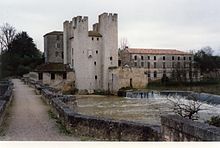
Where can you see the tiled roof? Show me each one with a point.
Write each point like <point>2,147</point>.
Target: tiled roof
<point>52,67</point>
<point>95,34</point>
<point>157,51</point>
<point>54,33</point>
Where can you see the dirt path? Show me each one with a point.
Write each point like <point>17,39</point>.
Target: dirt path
<point>28,118</point>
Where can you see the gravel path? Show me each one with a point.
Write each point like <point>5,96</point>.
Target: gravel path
<point>28,118</point>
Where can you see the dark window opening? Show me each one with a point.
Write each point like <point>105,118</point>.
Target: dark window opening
<point>148,65</point>
<point>64,75</point>
<point>131,86</point>
<point>95,63</point>
<point>164,58</point>
<point>119,62</point>
<point>184,58</point>
<point>40,76</point>
<point>96,51</point>
<point>92,38</point>
<point>155,65</point>
<point>155,58</point>
<point>148,57</point>
<point>58,37</point>
<point>142,57</point>
<point>190,58</point>
<point>178,58</point>
<point>135,57</point>
<point>110,58</point>
<point>135,64</point>
<point>97,39</point>
<point>172,57</point>
<point>52,76</point>
<point>96,77</point>
<point>155,74</point>
<point>142,64</point>
<point>148,74</point>
<point>164,65</point>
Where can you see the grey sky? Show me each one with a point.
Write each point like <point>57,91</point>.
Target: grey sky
<point>180,24</point>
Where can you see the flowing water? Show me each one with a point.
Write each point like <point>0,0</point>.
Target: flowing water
<point>141,109</point>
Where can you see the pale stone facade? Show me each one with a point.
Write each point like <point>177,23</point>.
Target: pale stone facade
<point>159,62</point>
<point>53,47</point>
<point>91,53</point>
<point>127,77</point>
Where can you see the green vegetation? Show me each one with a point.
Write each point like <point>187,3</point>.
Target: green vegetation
<point>215,121</point>
<point>19,55</point>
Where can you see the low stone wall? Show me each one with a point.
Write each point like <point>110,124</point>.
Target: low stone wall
<point>100,128</point>
<point>6,94</point>
<point>176,128</point>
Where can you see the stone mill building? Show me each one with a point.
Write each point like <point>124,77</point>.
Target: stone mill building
<point>91,52</point>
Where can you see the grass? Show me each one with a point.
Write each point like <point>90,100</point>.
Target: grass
<point>59,124</point>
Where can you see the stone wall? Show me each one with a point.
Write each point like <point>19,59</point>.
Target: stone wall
<point>99,128</point>
<point>6,94</point>
<point>176,128</point>
<point>127,77</point>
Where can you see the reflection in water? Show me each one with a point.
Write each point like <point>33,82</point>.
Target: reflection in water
<point>145,110</point>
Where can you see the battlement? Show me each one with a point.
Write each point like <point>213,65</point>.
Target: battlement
<point>79,20</point>
<point>109,16</point>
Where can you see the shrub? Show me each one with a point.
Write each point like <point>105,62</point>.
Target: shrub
<point>215,121</point>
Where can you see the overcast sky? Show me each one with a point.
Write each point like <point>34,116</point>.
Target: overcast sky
<point>179,24</point>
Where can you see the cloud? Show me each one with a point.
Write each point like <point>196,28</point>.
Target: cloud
<point>182,24</point>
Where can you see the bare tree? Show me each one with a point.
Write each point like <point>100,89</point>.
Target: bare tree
<point>187,109</point>
<point>7,34</point>
<point>123,43</point>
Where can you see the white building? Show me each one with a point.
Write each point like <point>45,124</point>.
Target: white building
<point>91,53</point>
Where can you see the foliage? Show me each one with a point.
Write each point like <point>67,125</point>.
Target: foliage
<point>215,121</point>
<point>206,61</point>
<point>21,57</point>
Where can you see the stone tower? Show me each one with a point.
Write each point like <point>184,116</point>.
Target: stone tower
<point>91,53</point>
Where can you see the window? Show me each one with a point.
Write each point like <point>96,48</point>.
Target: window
<point>64,75</point>
<point>184,58</point>
<point>155,58</point>
<point>96,52</point>
<point>190,58</point>
<point>97,39</point>
<point>148,57</point>
<point>119,62</point>
<point>164,65</point>
<point>135,57</point>
<point>62,55</point>
<point>95,63</point>
<point>164,58</point>
<point>135,64</point>
<point>148,64</point>
<point>110,58</point>
<point>142,64</point>
<point>142,57</point>
<point>178,58</point>
<point>58,37</point>
<point>155,65</point>
<point>58,45</point>
<point>155,74</point>
<point>148,74</point>
<point>173,65</point>
<point>40,76</point>
<point>52,76</point>
<point>96,77</point>
<point>92,38</point>
<point>172,57</point>
<point>56,53</point>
